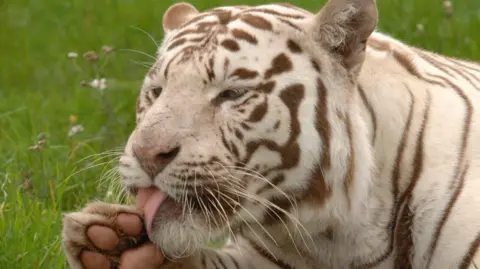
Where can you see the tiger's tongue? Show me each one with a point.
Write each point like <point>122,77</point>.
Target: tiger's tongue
<point>149,200</point>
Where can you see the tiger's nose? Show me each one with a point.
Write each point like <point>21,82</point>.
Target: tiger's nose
<point>154,160</point>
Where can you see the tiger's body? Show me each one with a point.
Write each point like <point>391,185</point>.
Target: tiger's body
<point>344,156</point>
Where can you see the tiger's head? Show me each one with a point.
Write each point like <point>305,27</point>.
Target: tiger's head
<point>245,110</point>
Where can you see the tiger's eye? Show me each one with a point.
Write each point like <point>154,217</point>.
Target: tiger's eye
<point>157,91</point>
<point>231,94</point>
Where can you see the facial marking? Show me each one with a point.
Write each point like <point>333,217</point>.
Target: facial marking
<point>280,64</point>
<point>229,49</point>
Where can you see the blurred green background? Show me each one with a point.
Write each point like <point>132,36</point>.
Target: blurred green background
<point>57,137</point>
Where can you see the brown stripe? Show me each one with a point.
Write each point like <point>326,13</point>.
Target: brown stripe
<point>197,18</point>
<point>211,69</point>
<point>243,73</point>
<point>467,122</point>
<point>395,181</point>
<point>177,43</point>
<point>322,124</point>
<point>256,22</point>
<point>165,72</point>
<point>267,255</point>
<point>293,46</point>
<point>238,134</point>
<point>280,64</point>
<point>266,87</point>
<point>370,111</point>
<point>221,262</point>
<point>291,24</point>
<point>463,63</point>
<point>246,101</point>
<point>204,261</point>
<point>275,182</point>
<point>401,147</point>
<point>403,235</point>
<point>259,112</point>
<point>184,32</point>
<point>276,13</point>
<point>446,214</point>
<point>235,263</point>
<point>242,35</point>
<point>349,177</point>
<point>315,65</point>
<point>224,140</point>
<point>472,251</point>
<point>442,81</point>
<point>230,45</point>
<point>446,68</point>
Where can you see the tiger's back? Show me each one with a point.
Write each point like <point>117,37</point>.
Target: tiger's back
<point>433,171</point>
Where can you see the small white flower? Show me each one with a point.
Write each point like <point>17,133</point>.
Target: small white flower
<point>75,130</point>
<point>72,55</point>
<point>447,4</point>
<point>420,27</point>
<point>100,84</point>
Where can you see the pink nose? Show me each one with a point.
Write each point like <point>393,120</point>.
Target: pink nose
<point>153,160</point>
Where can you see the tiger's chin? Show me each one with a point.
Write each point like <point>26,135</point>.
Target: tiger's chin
<point>180,233</point>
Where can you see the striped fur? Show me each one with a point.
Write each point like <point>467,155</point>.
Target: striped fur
<point>314,158</point>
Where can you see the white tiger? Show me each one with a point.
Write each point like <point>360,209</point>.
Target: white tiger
<point>311,140</point>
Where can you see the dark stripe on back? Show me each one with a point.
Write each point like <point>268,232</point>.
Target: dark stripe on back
<point>471,65</point>
<point>446,68</point>
<point>446,214</point>
<point>370,111</point>
<point>401,147</point>
<point>395,181</point>
<point>467,123</point>
<point>349,176</point>
<point>443,82</point>
<point>403,235</point>
<point>472,251</point>
<point>277,14</point>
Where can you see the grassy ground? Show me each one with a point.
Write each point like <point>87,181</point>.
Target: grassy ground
<point>43,170</point>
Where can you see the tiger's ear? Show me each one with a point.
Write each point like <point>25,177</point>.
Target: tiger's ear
<point>343,26</point>
<point>177,15</point>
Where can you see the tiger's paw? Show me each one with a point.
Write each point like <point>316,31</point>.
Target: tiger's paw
<point>105,236</point>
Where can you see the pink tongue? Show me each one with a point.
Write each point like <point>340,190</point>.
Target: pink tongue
<point>150,200</point>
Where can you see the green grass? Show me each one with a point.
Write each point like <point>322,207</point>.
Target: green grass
<point>40,88</point>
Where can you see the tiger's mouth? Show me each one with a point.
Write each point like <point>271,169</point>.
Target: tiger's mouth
<point>156,203</point>
<point>160,207</point>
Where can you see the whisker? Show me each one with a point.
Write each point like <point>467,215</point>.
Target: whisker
<point>142,64</point>
<point>253,230</point>
<point>292,202</point>
<point>140,52</point>
<point>146,33</point>
<point>270,205</point>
